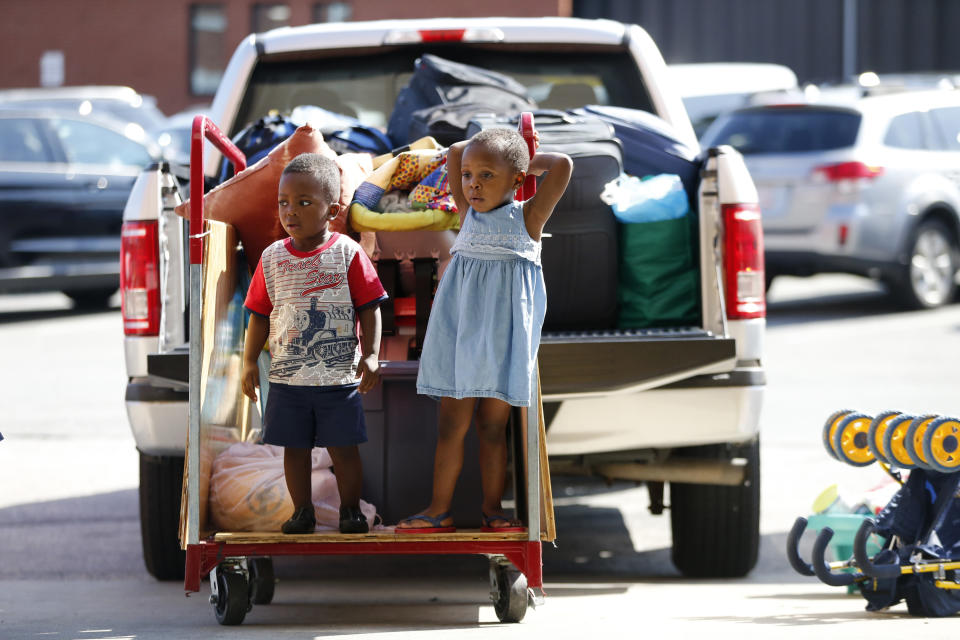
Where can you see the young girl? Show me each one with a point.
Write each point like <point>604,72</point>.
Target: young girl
<point>480,350</point>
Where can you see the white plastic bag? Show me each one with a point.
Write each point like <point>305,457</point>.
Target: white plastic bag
<point>248,491</point>
<point>651,199</point>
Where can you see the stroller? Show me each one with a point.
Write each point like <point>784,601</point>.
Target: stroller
<point>919,561</point>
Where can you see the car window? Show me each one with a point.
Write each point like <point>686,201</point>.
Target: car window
<point>905,132</point>
<point>946,122</point>
<point>20,141</point>
<point>88,143</point>
<point>366,87</point>
<point>785,130</point>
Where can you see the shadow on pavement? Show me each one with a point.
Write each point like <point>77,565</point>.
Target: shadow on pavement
<point>98,536</point>
<point>830,307</point>
<point>30,315</point>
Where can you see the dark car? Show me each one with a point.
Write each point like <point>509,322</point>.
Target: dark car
<point>64,181</point>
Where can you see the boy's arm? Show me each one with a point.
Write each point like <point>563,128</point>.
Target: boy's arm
<point>537,210</point>
<point>257,332</point>
<point>454,179</point>
<point>369,368</point>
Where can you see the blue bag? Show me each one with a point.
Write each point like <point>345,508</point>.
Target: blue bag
<point>650,146</point>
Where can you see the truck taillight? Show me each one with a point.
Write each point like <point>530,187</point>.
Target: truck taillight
<point>140,278</point>
<point>847,171</point>
<point>743,262</point>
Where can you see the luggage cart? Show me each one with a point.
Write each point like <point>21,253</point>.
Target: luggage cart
<point>239,563</point>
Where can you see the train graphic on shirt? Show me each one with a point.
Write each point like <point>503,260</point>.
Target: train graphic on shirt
<point>314,344</point>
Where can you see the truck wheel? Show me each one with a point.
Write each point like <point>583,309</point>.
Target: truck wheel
<point>927,280</point>
<point>716,529</point>
<point>161,479</point>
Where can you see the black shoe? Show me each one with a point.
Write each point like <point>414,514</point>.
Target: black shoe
<point>352,520</point>
<point>302,521</point>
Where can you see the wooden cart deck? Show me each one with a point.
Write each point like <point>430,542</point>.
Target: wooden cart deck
<point>462,535</point>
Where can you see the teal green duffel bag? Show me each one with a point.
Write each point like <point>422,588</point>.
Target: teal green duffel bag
<point>659,275</point>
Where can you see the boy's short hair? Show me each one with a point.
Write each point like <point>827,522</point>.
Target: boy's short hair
<point>506,143</point>
<point>323,169</point>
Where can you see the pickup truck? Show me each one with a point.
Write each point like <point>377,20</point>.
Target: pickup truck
<point>677,405</point>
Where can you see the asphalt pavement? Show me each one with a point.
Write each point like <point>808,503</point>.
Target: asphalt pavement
<point>70,564</point>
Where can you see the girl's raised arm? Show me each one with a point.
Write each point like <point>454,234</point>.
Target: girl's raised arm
<point>538,209</point>
<point>454,179</point>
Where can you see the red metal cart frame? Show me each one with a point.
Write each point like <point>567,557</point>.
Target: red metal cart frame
<point>231,551</point>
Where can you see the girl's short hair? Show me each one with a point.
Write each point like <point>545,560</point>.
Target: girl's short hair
<point>506,143</point>
<point>323,169</point>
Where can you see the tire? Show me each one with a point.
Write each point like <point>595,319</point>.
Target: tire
<point>508,590</point>
<point>232,601</point>
<point>262,580</point>
<point>914,440</point>
<point>91,298</point>
<point>850,440</point>
<point>161,479</point>
<point>716,529</point>
<point>941,444</point>
<point>927,280</point>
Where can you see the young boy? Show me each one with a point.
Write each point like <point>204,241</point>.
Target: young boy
<point>306,295</point>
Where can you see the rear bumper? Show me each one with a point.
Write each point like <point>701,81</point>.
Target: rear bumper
<point>722,408</point>
<point>158,418</point>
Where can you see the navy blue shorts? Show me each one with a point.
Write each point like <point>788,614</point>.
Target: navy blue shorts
<point>305,417</point>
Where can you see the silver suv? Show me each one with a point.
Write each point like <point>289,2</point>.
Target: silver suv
<point>869,186</point>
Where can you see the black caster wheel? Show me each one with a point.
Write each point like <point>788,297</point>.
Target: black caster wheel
<point>508,590</point>
<point>232,599</point>
<point>262,580</point>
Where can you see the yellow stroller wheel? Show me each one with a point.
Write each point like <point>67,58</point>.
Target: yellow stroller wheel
<point>850,440</point>
<point>878,428</point>
<point>941,444</point>
<point>893,441</point>
<point>913,441</point>
<point>830,428</point>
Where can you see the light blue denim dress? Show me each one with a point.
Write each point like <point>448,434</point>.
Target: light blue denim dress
<point>484,328</point>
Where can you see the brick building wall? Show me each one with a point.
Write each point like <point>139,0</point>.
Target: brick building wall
<point>147,45</point>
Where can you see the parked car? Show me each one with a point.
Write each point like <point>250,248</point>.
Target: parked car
<point>869,187</point>
<point>173,135</point>
<point>711,88</point>
<point>64,180</point>
<point>139,112</point>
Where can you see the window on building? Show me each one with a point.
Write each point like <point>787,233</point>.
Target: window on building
<point>332,12</point>
<point>269,16</point>
<point>208,39</point>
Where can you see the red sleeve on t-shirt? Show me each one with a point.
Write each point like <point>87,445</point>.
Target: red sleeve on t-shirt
<point>365,287</point>
<point>258,301</point>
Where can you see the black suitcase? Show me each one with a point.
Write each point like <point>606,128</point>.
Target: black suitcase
<point>436,81</point>
<point>447,123</point>
<point>581,243</point>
